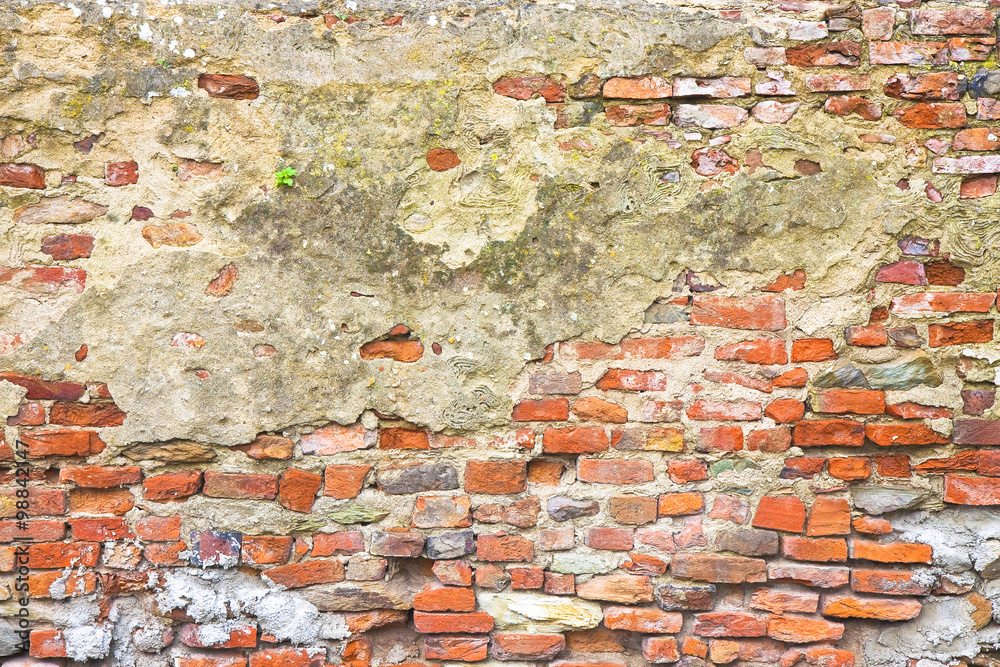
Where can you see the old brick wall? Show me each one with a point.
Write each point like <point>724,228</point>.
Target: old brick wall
<point>590,334</point>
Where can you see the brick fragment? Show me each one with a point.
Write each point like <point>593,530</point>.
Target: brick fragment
<point>960,333</point>
<point>229,86</point>
<point>891,552</point>
<point>496,477</point>
<point>637,88</point>
<point>828,54</point>
<point>345,481</point>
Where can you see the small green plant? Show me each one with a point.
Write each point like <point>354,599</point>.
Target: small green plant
<point>285,177</point>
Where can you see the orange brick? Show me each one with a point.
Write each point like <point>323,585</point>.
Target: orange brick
<point>786,513</point>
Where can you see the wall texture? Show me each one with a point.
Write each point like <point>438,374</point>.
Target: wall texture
<point>594,333</point>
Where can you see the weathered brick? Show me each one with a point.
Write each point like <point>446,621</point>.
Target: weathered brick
<point>963,21</point>
<point>335,438</point>
<point>575,440</point>
<point>171,486</point>
<point>932,115</point>
<point>620,588</point>
<point>502,547</point>
<point>729,624</point>
<point>633,115</point>
<point>766,313</point>
<point>961,333</point>
<point>229,86</point>
<point>828,54</point>
<point>614,471</point>
<point>345,481</point>
<point>963,490</point>
<point>722,87</point>
<point>808,575</point>
<point>637,88</point>
<point>888,582</point>
<point>40,444</point>
<point>828,432</point>
<point>849,606</point>
<point>496,477</point>
<point>822,550</point>
<point>659,649</point>
<point>812,349</point>
<point>845,105</point>
<point>849,468</point>
<point>598,409</point>
<point>803,630</point>
<point>849,401</point>
<point>241,486</point>
<point>907,53</point>
<point>891,552</point>
<point>629,380</point>
<point>887,435</point>
<point>780,601</point>
<point>720,439</point>
<point>928,86</point>
<point>544,409</point>
<point>829,516</point>
<point>787,513</point>
<point>718,569</point>
<point>760,351</point>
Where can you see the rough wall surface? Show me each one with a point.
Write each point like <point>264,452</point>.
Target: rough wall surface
<point>591,333</point>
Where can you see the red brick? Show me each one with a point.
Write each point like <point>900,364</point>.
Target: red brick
<point>230,87</point>
<point>927,86</point>
<point>72,585</point>
<point>947,302</point>
<point>812,349</point>
<point>614,471</point>
<point>117,174</point>
<point>785,410</point>
<point>960,21</point>
<point>723,410</point>
<point>850,468</point>
<point>32,531</point>
<point>714,161</point>
<point>165,554</point>
<point>159,528</point>
<point>891,552</point>
<point>47,280</point>
<point>893,465</point>
<point>100,530</point>
<point>575,440</point>
<point>268,447</point>
<point>786,513</point>
<point>728,377</point>
<point>871,336</point>
<point>802,467</point>
<point>240,637</point>
<point>403,438</point>
<point>845,105</point>
<point>620,588</point>
<point>496,477</point>
<point>917,411</point>
<point>637,88</point>
<point>91,414</point>
<point>729,624</point>
<point>809,575</point>
<point>528,647</point>
<point>526,87</point>
<point>171,486</point>
<point>961,333</point>
<point>630,380</point>
<point>720,439</point>
<point>597,409</point>
<point>642,619</point>
<point>797,377</point>
<point>297,575</point>
<point>442,512</point>
<point>335,438</point>
<point>932,115</point>
<point>64,247</point>
<point>718,569</point>
<point>837,83</point>
<point>780,601</point>
<point>849,606</point>
<point>46,643</point>
<point>963,49</point>
<point>28,176</point>
<point>543,409</point>
<point>659,649</point>
<point>502,547</point>
<point>459,647</point>
<point>828,54</point>
<point>964,490</point>
<point>887,435</point>
<point>433,623</point>
<point>850,401</point>
<point>50,555</point>
<point>339,543</point>
<point>872,525</point>
<point>680,504</point>
<point>40,501</point>
<point>526,578</point>
<point>887,582</point>
<point>40,444</point>
<point>822,550</point>
<point>682,472</point>
<point>803,630</point>
<point>829,516</point>
<point>662,348</point>
<point>967,460</point>
<point>345,481</point>
<point>769,440</point>
<point>794,281</point>
<point>434,597</point>
<point>632,510</point>
<point>766,313</point>
<point>240,486</point>
<point>829,432</point>
<point>760,351</point>
<point>611,539</point>
<point>634,115</point>
<point>99,477</point>
<point>28,414</point>
<point>730,508</point>
<point>297,489</point>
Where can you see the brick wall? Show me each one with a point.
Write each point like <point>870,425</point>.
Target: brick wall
<point>754,473</point>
